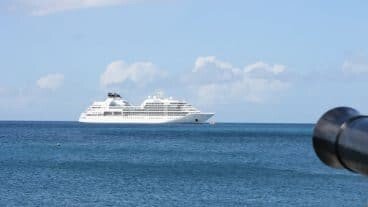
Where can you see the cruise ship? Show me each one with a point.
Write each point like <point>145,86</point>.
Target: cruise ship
<point>153,110</point>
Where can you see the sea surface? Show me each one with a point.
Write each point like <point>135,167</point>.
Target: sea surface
<point>73,164</point>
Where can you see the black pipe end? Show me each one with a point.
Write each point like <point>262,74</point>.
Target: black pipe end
<point>326,131</point>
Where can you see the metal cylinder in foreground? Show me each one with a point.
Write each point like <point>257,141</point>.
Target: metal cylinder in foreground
<point>340,139</point>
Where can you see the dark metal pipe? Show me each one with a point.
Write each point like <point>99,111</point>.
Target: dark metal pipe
<point>340,139</point>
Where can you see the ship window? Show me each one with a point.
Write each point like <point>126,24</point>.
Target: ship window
<point>117,113</point>
<point>113,103</point>
<point>107,113</point>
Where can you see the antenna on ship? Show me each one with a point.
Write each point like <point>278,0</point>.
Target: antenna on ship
<point>159,94</point>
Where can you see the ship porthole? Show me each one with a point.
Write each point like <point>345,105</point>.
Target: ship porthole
<point>196,120</point>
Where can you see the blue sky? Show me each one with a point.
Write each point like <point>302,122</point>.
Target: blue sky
<point>248,61</point>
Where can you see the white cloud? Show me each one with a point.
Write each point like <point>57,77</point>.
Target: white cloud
<point>261,66</point>
<point>355,65</point>
<point>51,81</point>
<point>45,7</point>
<point>202,62</point>
<point>139,73</point>
<point>217,80</point>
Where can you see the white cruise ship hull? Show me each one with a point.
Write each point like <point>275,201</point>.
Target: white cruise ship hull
<point>190,118</point>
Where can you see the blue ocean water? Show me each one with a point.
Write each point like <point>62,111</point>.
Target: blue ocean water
<point>73,164</point>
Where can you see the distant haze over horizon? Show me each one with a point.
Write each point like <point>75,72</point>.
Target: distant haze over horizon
<point>247,61</point>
